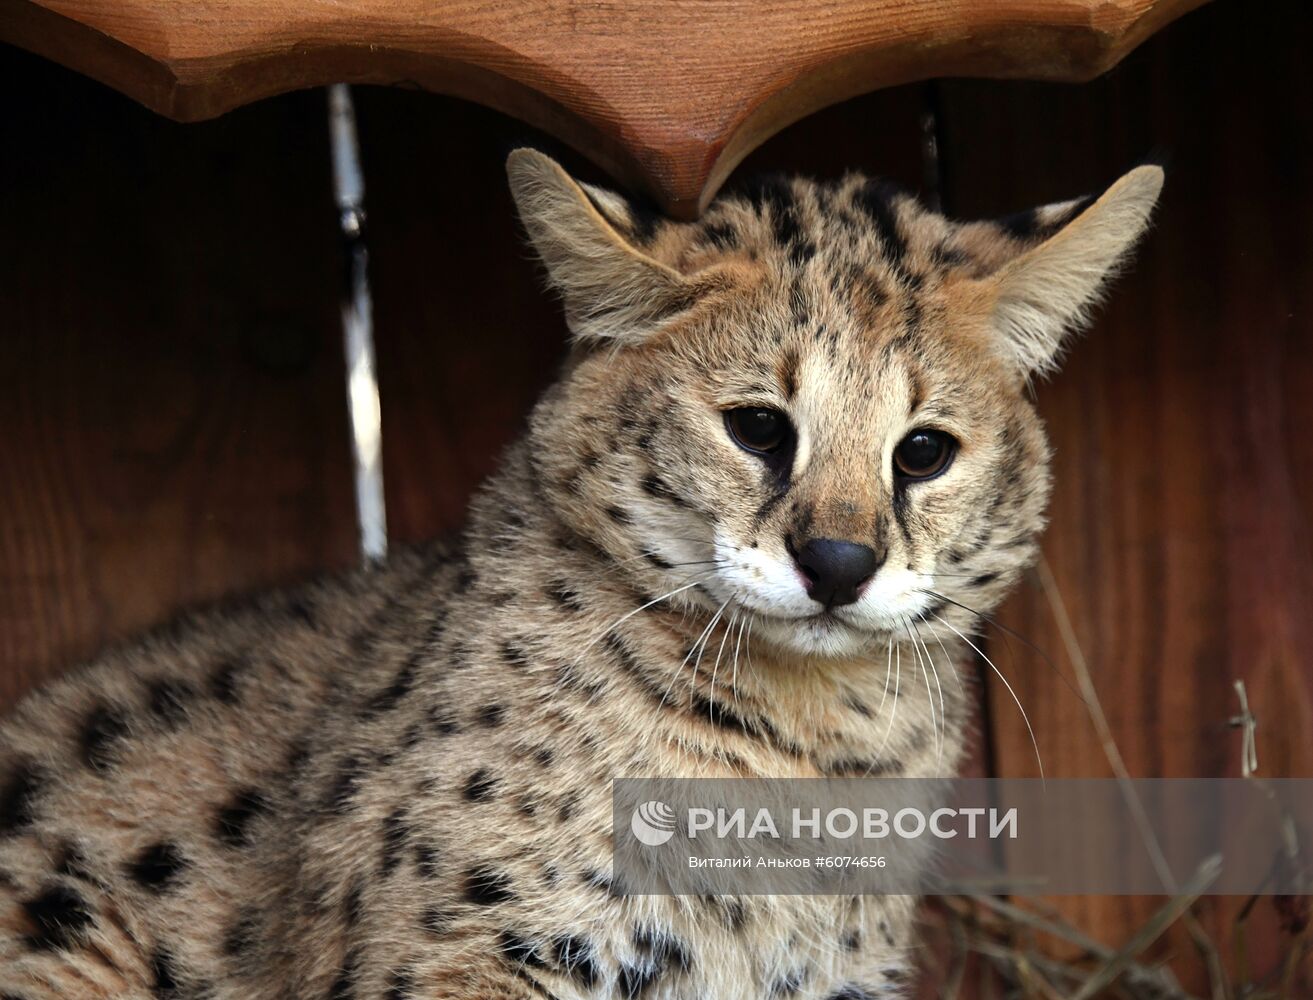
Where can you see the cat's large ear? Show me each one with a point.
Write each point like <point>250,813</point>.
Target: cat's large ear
<point>584,235</point>
<point>1047,292</point>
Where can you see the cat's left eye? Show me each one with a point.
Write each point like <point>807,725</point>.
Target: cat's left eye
<point>758,429</point>
<point>924,454</point>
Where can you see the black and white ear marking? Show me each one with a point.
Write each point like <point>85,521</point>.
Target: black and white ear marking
<point>1050,290</point>
<point>584,235</point>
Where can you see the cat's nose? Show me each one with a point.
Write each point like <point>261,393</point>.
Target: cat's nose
<point>836,571</point>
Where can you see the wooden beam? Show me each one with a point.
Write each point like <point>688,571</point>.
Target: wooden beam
<point>667,95</point>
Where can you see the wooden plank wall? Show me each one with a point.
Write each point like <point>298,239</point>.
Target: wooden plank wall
<point>172,411</point>
<point>1181,538</point>
<point>171,406</point>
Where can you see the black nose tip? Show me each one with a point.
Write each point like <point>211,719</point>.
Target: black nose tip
<point>836,570</point>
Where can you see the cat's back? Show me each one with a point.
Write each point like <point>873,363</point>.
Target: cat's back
<point>131,788</point>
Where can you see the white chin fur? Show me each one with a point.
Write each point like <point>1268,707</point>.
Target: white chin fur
<point>770,586</point>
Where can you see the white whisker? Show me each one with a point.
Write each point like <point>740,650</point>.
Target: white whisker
<point>943,712</point>
<point>625,617</point>
<point>1024,718</point>
<point>716,668</point>
<point>893,709</point>
<point>935,723</point>
<point>888,671</point>
<point>692,649</point>
<point>948,657</point>
<point>738,643</point>
<point>706,637</point>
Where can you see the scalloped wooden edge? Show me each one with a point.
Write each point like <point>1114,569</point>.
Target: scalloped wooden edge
<point>667,95</point>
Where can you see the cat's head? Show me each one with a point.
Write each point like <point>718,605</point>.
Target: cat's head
<point>810,406</point>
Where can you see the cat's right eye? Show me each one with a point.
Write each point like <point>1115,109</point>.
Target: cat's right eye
<point>758,429</point>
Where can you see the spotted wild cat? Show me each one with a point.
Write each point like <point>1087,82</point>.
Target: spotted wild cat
<point>788,438</point>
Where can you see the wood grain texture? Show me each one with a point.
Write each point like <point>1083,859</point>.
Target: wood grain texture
<point>1182,533</point>
<point>171,391</point>
<point>667,94</point>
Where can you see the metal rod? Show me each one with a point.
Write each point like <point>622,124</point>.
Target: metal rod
<point>363,408</point>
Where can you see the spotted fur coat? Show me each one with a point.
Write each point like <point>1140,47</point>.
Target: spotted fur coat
<point>790,448</point>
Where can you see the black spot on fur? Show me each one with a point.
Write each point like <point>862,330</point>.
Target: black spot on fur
<point>1027,225</point>
<point>297,756</point>
<point>655,486</point>
<point>857,705</point>
<point>223,681</point>
<point>946,256</point>
<point>73,863</point>
<point>302,609</point>
<point>851,941</point>
<point>435,920</point>
<point>162,969</point>
<point>167,699</point>
<point>576,959</point>
<point>564,596</point>
<point>400,985</point>
<point>519,950</point>
<point>344,786</point>
<point>158,867</point>
<point>719,715</point>
<point>901,505</point>
<point>232,823</point>
<point>789,983</point>
<point>850,767</point>
<point>514,655</point>
<point>486,886</point>
<point>426,860</point>
<point>722,235</point>
<point>394,839</point>
<point>663,949</point>
<point>656,561</point>
<point>635,980</point>
<point>598,880</point>
<point>103,729</point>
<point>983,579</point>
<point>545,756</point>
<point>354,905</point>
<point>655,955</point>
<point>800,307</point>
<point>787,370</point>
<point>850,992</point>
<point>772,501</point>
<point>18,798</point>
<point>568,676</point>
<point>733,913</point>
<point>479,786</point>
<point>569,804</point>
<point>390,697</point>
<point>240,938</point>
<point>876,199</point>
<point>492,715</point>
<point>412,736</point>
<point>344,986</point>
<point>60,917</point>
<point>442,721</point>
<point>619,515</point>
